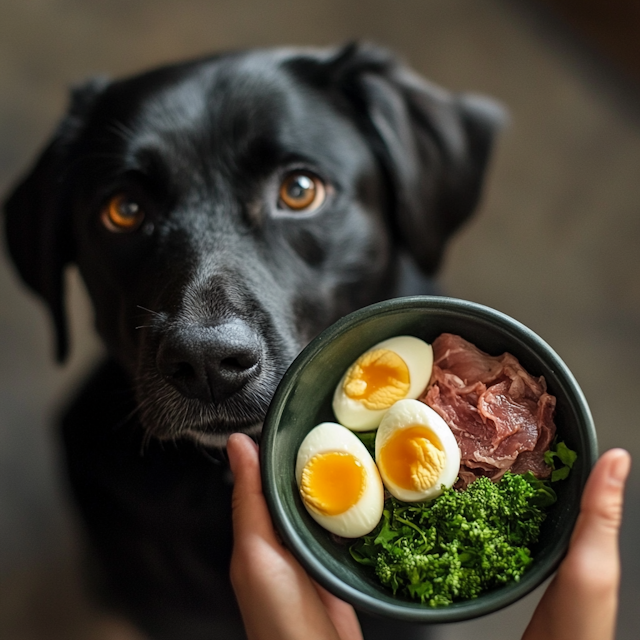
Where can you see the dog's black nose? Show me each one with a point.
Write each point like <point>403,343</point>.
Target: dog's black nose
<point>210,363</point>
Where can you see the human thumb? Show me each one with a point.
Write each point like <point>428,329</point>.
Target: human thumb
<point>596,532</point>
<point>581,602</point>
<point>249,510</point>
<point>588,580</point>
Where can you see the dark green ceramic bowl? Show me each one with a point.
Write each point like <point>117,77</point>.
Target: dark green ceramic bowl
<point>303,400</point>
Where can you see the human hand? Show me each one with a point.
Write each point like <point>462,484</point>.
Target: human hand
<point>582,600</point>
<point>277,599</point>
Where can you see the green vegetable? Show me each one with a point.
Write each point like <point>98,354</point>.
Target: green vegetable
<point>460,544</point>
<point>566,456</point>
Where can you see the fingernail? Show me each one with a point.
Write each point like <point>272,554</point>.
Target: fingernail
<point>619,469</point>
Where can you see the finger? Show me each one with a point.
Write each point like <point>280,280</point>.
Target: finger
<point>341,614</point>
<point>593,551</point>
<point>250,513</point>
<point>581,602</point>
<point>601,506</point>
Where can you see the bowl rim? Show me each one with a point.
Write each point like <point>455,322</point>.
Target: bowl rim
<point>404,610</point>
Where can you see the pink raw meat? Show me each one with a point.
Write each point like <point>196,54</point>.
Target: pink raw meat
<point>501,416</point>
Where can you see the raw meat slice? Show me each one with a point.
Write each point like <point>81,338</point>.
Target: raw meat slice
<point>501,416</point>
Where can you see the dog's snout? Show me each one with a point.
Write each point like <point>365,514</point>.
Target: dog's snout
<point>210,363</point>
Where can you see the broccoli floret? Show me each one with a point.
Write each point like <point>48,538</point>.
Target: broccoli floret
<point>460,544</point>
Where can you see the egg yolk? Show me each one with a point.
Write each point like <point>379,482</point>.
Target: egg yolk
<point>377,379</point>
<point>332,482</point>
<point>412,458</point>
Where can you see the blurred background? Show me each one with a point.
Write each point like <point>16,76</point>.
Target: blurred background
<point>555,243</point>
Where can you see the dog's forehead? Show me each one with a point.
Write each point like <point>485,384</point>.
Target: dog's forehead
<point>228,103</point>
<point>219,92</point>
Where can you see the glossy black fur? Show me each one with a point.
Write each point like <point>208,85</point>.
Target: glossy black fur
<point>203,146</point>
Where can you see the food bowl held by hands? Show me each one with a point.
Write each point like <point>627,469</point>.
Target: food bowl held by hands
<point>303,400</point>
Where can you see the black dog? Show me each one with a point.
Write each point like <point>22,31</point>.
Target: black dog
<point>222,212</point>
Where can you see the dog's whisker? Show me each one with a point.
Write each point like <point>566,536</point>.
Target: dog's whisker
<point>122,130</point>
<point>155,313</point>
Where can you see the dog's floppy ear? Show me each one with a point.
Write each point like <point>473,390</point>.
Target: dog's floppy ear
<point>434,145</point>
<point>37,214</point>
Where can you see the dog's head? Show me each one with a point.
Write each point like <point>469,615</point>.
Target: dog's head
<point>223,211</point>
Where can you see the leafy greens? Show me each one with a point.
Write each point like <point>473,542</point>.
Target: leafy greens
<point>460,544</point>
<point>565,456</point>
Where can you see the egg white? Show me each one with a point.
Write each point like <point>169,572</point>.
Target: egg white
<point>409,413</point>
<point>363,516</point>
<point>418,356</point>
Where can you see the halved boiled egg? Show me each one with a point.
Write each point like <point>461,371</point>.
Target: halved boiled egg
<point>338,480</point>
<point>416,452</point>
<point>392,370</point>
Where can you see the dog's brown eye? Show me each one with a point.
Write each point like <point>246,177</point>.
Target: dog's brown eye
<point>122,214</point>
<point>301,191</point>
